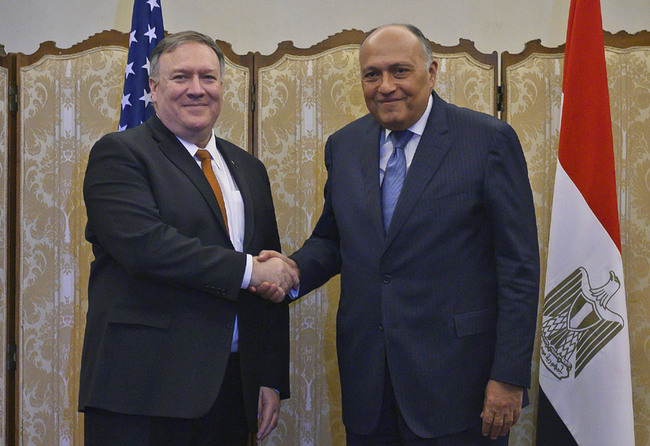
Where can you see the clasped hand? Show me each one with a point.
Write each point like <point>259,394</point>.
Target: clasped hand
<point>274,275</point>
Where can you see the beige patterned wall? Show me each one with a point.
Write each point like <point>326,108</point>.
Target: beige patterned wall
<point>534,89</point>
<point>464,81</point>
<point>4,152</point>
<point>66,104</point>
<point>233,123</point>
<point>302,100</point>
<point>628,73</point>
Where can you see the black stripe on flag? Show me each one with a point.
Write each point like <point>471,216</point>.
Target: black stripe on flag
<point>551,430</point>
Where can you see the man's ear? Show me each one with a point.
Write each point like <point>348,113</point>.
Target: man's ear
<point>433,71</point>
<point>153,86</point>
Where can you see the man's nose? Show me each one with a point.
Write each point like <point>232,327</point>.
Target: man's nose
<point>387,83</point>
<point>195,87</point>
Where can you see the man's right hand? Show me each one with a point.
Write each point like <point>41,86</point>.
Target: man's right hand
<point>270,289</point>
<point>273,275</point>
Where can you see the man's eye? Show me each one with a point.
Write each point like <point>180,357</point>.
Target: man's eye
<point>370,76</point>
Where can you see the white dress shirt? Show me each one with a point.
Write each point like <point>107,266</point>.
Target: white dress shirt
<point>386,144</point>
<point>234,210</point>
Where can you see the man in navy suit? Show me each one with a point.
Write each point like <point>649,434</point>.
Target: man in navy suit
<point>177,351</point>
<point>439,269</point>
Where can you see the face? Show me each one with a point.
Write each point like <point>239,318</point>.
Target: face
<point>395,79</point>
<point>187,93</point>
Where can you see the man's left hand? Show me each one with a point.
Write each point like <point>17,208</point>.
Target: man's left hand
<point>268,411</point>
<point>501,408</point>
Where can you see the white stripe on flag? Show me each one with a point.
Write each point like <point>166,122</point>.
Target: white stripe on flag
<point>595,405</point>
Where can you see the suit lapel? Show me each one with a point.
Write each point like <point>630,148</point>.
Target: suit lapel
<point>172,148</point>
<point>370,171</point>
<point>432,148</point>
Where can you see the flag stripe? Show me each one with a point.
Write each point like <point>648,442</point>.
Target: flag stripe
<point>551,431</point>
<point>586,147</point>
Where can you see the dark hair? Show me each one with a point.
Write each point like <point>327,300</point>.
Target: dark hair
<point>169,44</point>
<point>424,42</point>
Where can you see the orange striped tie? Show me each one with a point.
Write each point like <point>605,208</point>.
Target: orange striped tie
<point>206,165</point>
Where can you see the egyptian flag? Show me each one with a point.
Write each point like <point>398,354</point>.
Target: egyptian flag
<point>585,381</point>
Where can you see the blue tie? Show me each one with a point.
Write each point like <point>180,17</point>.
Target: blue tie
<point>394,175</point>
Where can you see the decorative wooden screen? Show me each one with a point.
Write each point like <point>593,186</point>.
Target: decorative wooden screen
<point>69,98</point>
<point>533,83</point>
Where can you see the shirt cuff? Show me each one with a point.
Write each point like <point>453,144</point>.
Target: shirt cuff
<point>293,294</point>
<point>248,272</point>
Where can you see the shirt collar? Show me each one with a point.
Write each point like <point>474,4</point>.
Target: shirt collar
<point>192,148</point>
<point>418,127</point>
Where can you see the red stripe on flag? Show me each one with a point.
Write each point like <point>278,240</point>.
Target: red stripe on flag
<point>586,148</point>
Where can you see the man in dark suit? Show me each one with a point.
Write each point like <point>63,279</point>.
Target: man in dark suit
<point>434,235</point>
<point>177,351</point>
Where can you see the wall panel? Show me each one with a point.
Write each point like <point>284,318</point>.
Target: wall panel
<point>67,102</point>
<point>533,81</point>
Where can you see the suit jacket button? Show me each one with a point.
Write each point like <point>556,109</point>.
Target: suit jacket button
<point>381,327</point>
<point>386,279</point>
<point>229,325</point>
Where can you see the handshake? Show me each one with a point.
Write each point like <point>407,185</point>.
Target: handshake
<point>274,275</point>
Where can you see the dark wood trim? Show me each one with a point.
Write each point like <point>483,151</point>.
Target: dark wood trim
<point>11,278</point>
<point>104,38</point>
<point>347,37</point>
<point>467,46</point>
<point>623,39</point>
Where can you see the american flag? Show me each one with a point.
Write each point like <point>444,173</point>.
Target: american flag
<point>146,31</point>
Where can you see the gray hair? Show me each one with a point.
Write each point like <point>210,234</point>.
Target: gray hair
<point>169,44</point>
<point>424,42</point>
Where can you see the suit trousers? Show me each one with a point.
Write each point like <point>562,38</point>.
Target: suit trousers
<point>223,425</point>
<point>392,429</point>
